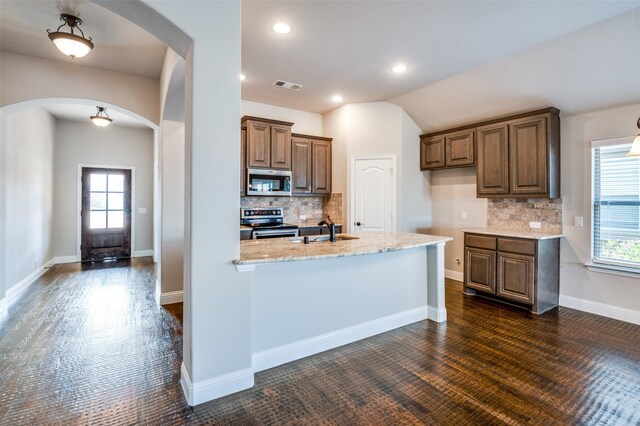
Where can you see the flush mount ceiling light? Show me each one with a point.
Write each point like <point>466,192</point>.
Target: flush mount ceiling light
<point>71,44</point>
<point>243,77</point>
<point>399,68</point>
<point>337,98</point>
<point>635,147</point>
<point>101,119</point>
<point>282,28</point>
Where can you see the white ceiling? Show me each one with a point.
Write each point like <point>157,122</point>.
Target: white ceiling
<point>497,50</point>
<point>77,112</point>
<point>119,44</point>
<point>588,70</point>
<point>348,47</point>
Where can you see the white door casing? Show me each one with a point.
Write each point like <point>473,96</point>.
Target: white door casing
<point>373,193</point>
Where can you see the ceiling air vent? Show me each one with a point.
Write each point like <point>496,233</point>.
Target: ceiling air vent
<point>287,85</point>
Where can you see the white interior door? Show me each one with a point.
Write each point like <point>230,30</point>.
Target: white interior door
<point>373,194</point>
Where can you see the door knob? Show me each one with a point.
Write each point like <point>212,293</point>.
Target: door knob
<point>357,224</point>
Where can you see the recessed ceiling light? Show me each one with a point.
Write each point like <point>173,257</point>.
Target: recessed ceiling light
<point>243,77</point>
<point>399,68</point>
<point>337,98</point>
<point>281,28</point>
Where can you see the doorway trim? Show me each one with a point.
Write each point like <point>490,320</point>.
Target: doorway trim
<point>352,185</point>
<point>134,253</point>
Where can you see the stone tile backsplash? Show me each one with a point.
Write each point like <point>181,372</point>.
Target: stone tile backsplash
<point>332,206</point>
<point>515,214</point>
<point>312,207</point>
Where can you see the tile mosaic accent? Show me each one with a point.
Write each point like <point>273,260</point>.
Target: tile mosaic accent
<point>293,207</point>
<point>332,206</point>
<point>515,214</point>
<point>315,208</point>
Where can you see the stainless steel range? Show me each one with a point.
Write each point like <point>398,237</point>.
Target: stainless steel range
<point>267,223</point>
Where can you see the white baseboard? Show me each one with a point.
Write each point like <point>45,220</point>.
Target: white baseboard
<point>303,348</point>
<point>207,390</point>
<point>171,297</point>
<point>609,311</point>
<point>14,292</point>
<point>142,253</point>
<point>66,259</point>
<point>73,259</point>
<point>454,275</point>
<point>437,315</point>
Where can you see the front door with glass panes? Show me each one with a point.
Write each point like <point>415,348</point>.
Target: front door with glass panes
<point>106,214</point>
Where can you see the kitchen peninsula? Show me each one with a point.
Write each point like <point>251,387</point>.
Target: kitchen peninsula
<point>308,298</point>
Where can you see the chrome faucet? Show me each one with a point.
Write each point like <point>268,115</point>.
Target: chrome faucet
<point>332,228</point>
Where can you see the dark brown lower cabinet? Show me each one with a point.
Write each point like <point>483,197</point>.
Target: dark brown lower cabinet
<point>480,266</point>
<point>524,272</point>
<point>516,277</point>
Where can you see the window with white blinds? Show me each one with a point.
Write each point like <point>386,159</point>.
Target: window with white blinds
<point>616,206</point>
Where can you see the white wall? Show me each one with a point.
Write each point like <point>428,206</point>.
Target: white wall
<point>3,199</point>
<point>28,149</point>
<point>575,250</point>
<point>378,128</point>
<point>283,312</point>
<point>83,143</point>
<point>25,78</point>
<point>307,123</point>
<point>170,171</point>
<point>453,192</point>
<point>217,317</point>
<point>172,206</point>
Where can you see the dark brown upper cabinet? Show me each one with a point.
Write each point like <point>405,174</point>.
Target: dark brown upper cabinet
<point>268,143</point>
<point>321,166</point>
<point>447,150</point>
<point>493,160</point>
<point>528,155</point>
<point>431,152</point>
<point>300,165</point>
<point>243,160</point>
<point>311,165</point>
<point>460,149</point>
<point>517,156</point>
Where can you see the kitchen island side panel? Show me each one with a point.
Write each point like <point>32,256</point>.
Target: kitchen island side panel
<point>297,301</point>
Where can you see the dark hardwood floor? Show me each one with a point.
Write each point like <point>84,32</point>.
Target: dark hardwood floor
<point>88,345</point>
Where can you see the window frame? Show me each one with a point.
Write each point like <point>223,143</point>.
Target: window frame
<point>599,264</point>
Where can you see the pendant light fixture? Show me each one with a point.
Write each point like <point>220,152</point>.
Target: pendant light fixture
<point>101,119</point>
<point>635,147</point>
<point>71,44</point>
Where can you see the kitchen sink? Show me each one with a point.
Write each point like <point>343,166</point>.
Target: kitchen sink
<point>322,238</point>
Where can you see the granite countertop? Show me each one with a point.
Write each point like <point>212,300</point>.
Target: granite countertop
<point>534,235</point>
<point>285,250</point>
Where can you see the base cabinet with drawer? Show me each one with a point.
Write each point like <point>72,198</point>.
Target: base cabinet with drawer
<point>520,271</point>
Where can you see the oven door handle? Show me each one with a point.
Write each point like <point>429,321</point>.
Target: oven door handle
<point>285,233</point>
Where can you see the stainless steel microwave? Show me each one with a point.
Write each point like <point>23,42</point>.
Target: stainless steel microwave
<point>268,182</point>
